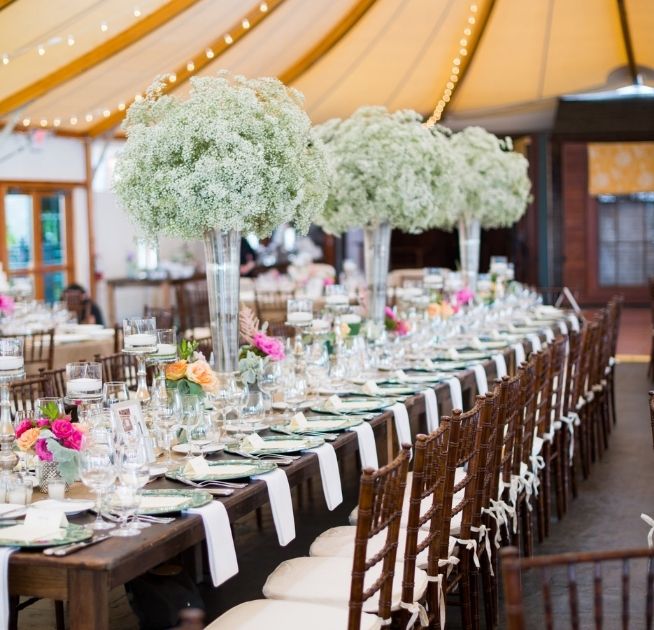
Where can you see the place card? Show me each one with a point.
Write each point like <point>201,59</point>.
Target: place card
<point>371,388</point>
<point>453,354</point>
<point>254,441</point>
<point>334,403</point>
<point>428,364</point>
<point>298,421</point>
<point>476,343</point>
<point>38,524</point>
<point>197,466</point>
<point>401,375</point>
<point>149,502</point>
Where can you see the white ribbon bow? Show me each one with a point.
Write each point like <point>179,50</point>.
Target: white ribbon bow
<point>470,543</point>
<point>506,510</point>
<point>438,579</point>
<point>417,610</point>
<point>484,537</point>
<point>571,420</point>
<point>650,536</point>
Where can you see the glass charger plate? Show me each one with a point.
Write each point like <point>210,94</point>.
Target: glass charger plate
<point>465,355</point>
<point>69,507</point>
<point>281,445</point>
<point>423,377</point>
<point>226,469</point>
<point>324,424</point>
<point>355,405</point>
<point>211,447</point>
<point>71,534</point>
<point>157,502</point>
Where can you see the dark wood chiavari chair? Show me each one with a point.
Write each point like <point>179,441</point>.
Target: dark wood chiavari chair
<point>271,305</point>
<point>57,380</point>
<point>583,575</point>
<point>381,494</point>
<point>601,424</point>
<point>192,304</point>
<point>651,413</point>
<point>584,383</point>
<point>166,317</point>
<point>24,393</point>
<point>281,329</point>
<point>122,367</point>
<point>38,350</point>
<point>650,368</point>
<point>615,309</point>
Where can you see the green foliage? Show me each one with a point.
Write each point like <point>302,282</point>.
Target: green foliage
<point>187,348</point>
<point>185,387</point>
<point>50,411</point>
<point>67,459</point>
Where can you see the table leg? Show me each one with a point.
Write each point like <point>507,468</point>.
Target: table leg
<point>88,593</point>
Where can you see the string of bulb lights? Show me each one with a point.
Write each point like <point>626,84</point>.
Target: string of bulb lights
<point>458,63</point>
<point>192,66</point>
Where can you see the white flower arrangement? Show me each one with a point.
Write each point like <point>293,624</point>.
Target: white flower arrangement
<point>237,154</point>
<point>387,168</point>
<point>492,177</point>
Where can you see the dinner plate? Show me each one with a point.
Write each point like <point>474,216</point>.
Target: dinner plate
<point>282,406</point>
<point>12,510</point>
<point>355,405</point>
<point>464,355</point>
<point>163,501</point>
<point>324,424</point>
<point>69,507</point>
<point>67,535</point>
<point>422,378</point>
<point>226,469</point>
<point>283,444</point>
<point>209,447</point>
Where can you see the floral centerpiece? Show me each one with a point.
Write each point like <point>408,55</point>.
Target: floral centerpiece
<point>54,440</point>
<point>237,155</point>
<point>494,185</point>
<point>7,304</point>
<point>258,348</point>
<point>393,323</point>
<point>191,374</point>
<point>390,172</point>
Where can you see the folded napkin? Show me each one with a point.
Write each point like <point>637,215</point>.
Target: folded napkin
<point>453,354</point>
<point>329,474</point>
<point>371,388</point>
<point>279,494</point>
<point>431,409</point>
<point>455,392</point>
<point>333,403</point>
<point>220,542</point>
<point>481,379</point>
<point>520,355</point>
<point>500,365</point>
<point>476,343</point>
<point>563,327</point>
<point>367,446</point>
<point>534,340</point>
<point>298,422</point>
<point>402,426</point>
<point>400,375</point>
<point>574,322</point>
<point>549,334</point>
<point>428,364</point>
<point>5,552</point>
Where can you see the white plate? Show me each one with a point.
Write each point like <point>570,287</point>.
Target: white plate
<point>13,510</point>
<point>70,507</point>
<point>282,406</point>
<point>158,471</point>
<point>210,447</point>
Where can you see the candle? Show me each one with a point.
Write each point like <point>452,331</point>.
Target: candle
<point>140,340</point>
<point>351,318</point>
<point>166,349</point>
<point>11,363</point>
<point>80,386</point>
<point>57,489</point>
<point>337,298</point>
<point>16,495</point>
<point>299,317</point>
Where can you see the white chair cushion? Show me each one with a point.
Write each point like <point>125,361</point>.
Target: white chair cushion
<point>272,613</point>
<point>327,581</point>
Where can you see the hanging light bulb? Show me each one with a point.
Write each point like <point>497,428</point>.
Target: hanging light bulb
<point>245,24</point>
<point>41,50</point>
<point>70,40</point>
<point>137,12</point>
<point>5,59</point>
<point>228,39</point>
<point>104,27</point>
<point>73,120</point>
<point>209,53</point>
<point>190,66</point>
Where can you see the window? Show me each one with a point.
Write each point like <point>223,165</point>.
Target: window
<point>626,239</point>
<point>37,246</point>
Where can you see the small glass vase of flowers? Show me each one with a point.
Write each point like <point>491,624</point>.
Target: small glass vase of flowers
<point>191,374</point>
<point>394,324</point>
<point>258,349</point>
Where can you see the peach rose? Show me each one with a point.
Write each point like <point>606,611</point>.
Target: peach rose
<point>446,310</point>
<point>434,310</point>
<point>175,371</point>
<point>199,372</point>
<point>27,440</point>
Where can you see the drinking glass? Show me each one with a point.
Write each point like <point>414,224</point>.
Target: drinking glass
<point>133,467</point>
<point>140,334</point>
<point>299,312</point>
<point>228,397</point>
<point>166,407</point>
<point>125,501</point>
<point>113,392</point>
<point>84,381</point>
<point>97,472</point>
<point>41,403</point>
<point>295,393</point>
<point>253,407</point>
<point>191,412</point>
<point>270,381</point>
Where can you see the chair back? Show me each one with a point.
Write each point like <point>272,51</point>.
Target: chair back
<point>166,317</point>
<point>524,435</point>
<point>57,380</point>
<point>510,414</point>
<point>381,494</point>
<point>23,394</point>
<point>543,390</point>
<point>582,577</point>
<point>573,370</point>
<point>192,304</point>
<point>38,350</point>
<point>271,305</point>
<point>651,413</point>
<point>557,377</point>
<point>120,367</point>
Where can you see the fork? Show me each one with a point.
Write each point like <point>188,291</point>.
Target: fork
<point>270,456</point>
<point>214,482</point>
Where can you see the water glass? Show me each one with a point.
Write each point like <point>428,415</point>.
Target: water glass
<point>165,408</point>
<point>191,412</point>
<point>125,501</point>
<point>133,467</point>
<point>270,379</point>
<point>40,405</point>
<point>113,392</point>
<point>140,334</point>
<point>84,381</point>
<point>97,472</point>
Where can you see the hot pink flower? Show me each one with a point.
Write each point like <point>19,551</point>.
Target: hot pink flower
<point>388,312</point>
<point>74,440</point>
<point>6,305</point>
<point>62,429</point>
<point>42,422</point>
<point>402,328</point>
<point>328,281</point>
<point>42,452</point>
<point>464,296</point>
<point>269,346</point>
<point>22,427</point>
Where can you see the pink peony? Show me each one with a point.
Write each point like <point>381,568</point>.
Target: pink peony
<point>328,281</point>
<point>42,451</point>
<point>388,312</point>
<point>402,328</point>
<point>43,422</point>
<point>464,296</point>
<point>62,429</point>
<point>7,305</point>
<point>269,345</point>
<point>22,427</point>
<point>74,440</point>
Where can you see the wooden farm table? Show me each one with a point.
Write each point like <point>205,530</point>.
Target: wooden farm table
<point>85,578</point>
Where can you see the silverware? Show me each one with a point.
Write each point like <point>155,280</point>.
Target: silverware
<point>216,492</point>
<point>64,550</point>
<point>278,457</point>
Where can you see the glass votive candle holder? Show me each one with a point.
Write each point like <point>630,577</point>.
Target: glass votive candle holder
<point>83,381</point>
<point>299,311</point>
<point>11,356</point>
<point>57,489</point>
<point>166,344</point>
<point>19,492</point>
<point>48,402</point>
<point>140,334</point>
<point>336,295</point>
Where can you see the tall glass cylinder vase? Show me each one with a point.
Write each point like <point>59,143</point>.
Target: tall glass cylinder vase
<point>377,245</point>
<point>469,245</point>
<point>223,256</point>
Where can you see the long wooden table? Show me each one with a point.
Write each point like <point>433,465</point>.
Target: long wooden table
<point>85,578</point>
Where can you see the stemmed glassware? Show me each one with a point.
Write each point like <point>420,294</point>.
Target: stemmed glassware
<point>113,392</point>
<point>191,412</point>
<point>270,382</point>
<point>125,501</point>
<point>97,472</point>
<point>140,340</point>
<point>133,467</point>
<point>166,408</point>
<point>228,397</point>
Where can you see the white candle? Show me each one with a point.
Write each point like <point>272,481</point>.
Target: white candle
<point>11,363</point>
<point>140,340</point>
<point>336,299</point>
<point>57,490</point>
<point>319,325</point>
<point>84,386</point>
<point>166,349</point>
<point>16,495</point>
<point>351,318</point>
<point>299,317</point>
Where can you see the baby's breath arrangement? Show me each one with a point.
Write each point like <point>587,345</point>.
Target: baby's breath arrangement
<point>236,154</point>
<point>388,168</point>
<point>492,177</point>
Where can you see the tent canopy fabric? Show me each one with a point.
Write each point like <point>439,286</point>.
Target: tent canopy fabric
<point>74,65</point>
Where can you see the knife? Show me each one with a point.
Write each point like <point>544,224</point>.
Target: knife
<point>64,550</point>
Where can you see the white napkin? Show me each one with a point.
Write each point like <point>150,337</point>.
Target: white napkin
<point>428,364</point>
<point>475,343</point>
<point>431,409</point>
<point>220,542</point>
<point>333,403</point>
<point>455,392</point>
<point>298,421</point>
<point>329,474</point>
<point>520,355</point>
<point>402,426</point>
<point>481,379</point>
<point>5,552</point>
<point>549,334</point>
<point>453,354</point>
<point>367,446</point>
<point>563,327</point>
<point>500,365</point>
<point>400,375</point>
<point>279,494</point>
<point>574,322</point>
<point>534,340</point>
<point>371,388</point>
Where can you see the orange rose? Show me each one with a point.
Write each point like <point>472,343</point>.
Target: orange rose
<point>446,310</point>
<point>199,372</point>
<point>434,309</point>
<point>175,371</point>
<point>27,440</point>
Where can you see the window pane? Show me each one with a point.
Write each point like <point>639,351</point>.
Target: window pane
<point>53,230</point>
<point>607,265</point>
<point>18,221</point>
<point>630,221</point>
<point>630,267</point>
<point>53,284</point>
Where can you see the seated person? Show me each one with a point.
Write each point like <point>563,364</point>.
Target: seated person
<point>78,301</point>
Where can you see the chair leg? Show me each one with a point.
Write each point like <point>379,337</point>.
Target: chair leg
<point>612,394</point>
<point>547,489</point>
<point>539,505</point>
<point>559,482</point>
<point>489,589</point>
<point>59,615</point>
<point>466,590</point>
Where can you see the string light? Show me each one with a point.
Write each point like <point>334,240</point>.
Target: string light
<point>106,113</point>
<point>172,77</point>
<point>41,50</point>
<point>263,7</point>
<point>26,122</point>
<point>73,120</point>
<point>56,122</point>
<point>88,118</point>
<point>104,27</point>
<point>70,40</point>
<point>121,107</point>
<point>44,122</point>
<point>5,59</point>
<point>209,53</point>
<point>228,39</point>
<point>137,12</point>
<point>190,66</point>
<point>245,24</point>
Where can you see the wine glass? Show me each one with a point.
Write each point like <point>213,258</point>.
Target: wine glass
<point>252,407</point>
<point>97,472</point>
<point>166,407</point>
<point>227,398</point>
<point>295,393</point>
<point>133,467</point>
<point>191,412</point>
<point>113,392</point>
<point>270,381</point>
<point>125,500</point>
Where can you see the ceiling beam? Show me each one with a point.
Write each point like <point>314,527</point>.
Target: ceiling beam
<point>108,49</point>
<point>182,74</point>
<point>5,3</point>
<point>330,39</point>
<point>628,44</point>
